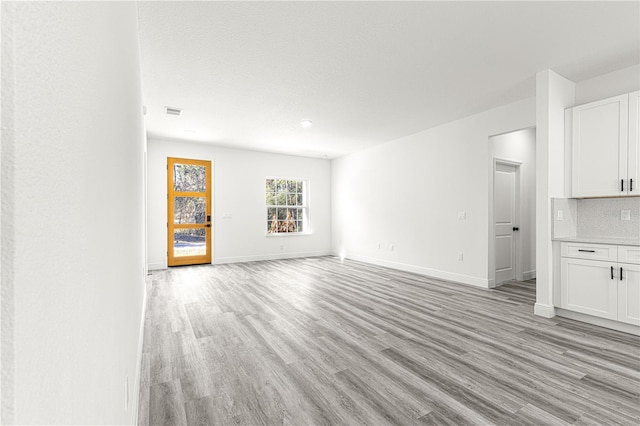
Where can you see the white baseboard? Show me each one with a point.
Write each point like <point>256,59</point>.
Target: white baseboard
<point>546,311</point>
<point>434,273</point>
<point>602,322</point>
<point>157,266</point>
<point>491,283</point>
<point>529,275</point>
<point>138,376</point>
<point>253,258</point>
<point>271,256</point>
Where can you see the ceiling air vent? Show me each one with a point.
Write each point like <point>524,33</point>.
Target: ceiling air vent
<point>172,111</point>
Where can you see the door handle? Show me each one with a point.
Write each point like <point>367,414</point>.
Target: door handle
<point>587,251</point>
<point>621,273</point>
<point>612,272</point>
<point>630,185</point>
<point>621,185</point>
<point>515,228</point>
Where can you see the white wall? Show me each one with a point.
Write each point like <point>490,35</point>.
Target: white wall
<point>408,192</point>
<point>519,146</point>
<point>607,85</point>
<point>72,240</point>
<point>239,189</point>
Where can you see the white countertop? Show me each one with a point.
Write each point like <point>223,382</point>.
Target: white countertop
<point>601,240</point>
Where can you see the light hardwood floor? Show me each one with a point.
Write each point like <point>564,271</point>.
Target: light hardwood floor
<point>314,341</point>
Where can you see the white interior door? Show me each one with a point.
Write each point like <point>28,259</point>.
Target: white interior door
<point>505,218</point>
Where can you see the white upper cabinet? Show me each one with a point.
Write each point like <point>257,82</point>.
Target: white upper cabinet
<point>600,148</point>
<point>633,167</point>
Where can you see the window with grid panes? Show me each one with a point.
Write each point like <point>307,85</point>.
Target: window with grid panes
<point>287,209</point>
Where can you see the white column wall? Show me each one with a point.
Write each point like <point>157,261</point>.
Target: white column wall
<point>72,209</point>
<point>554,94</point>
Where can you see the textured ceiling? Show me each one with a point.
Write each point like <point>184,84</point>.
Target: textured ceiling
<point>247,73</point>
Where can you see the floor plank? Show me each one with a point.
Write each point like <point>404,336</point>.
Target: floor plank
<point>320,341</point>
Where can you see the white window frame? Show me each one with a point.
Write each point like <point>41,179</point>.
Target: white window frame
<point>306,221</point>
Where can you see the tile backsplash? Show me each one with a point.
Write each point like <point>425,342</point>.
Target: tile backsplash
<point>600,217</point>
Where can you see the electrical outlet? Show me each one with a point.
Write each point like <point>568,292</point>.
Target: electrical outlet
<point>625,214</point>
<point>461,256</point>
<point>560,215</point>
<point>392,247</point>
<point>462,215</point>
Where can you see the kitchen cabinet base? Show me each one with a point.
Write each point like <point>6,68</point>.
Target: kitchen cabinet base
<point>602,322</point>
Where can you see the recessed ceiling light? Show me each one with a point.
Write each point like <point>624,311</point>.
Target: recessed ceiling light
<point>306,123</point>
<point>172,111</point>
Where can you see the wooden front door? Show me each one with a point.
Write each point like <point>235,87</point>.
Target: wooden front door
<point>189,211</point>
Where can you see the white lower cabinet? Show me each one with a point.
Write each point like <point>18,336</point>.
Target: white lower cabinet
<point>629,294</point>
<point>587,287</point>
<point>605,289</point>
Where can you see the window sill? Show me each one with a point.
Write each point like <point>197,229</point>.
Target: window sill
<point>286,234</point>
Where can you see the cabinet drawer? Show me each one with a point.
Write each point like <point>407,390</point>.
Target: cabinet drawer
<point>590,251</point>
<point>629,254</point>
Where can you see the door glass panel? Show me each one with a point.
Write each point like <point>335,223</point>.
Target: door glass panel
<point>189,209</point>
<point>189,178</point>
<point>189,242</point>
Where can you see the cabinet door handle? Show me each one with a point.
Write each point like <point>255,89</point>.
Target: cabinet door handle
<point>587,251</point>
<point>612,272</point>
<point>621,185</point>
<point>621,273</point>
<point>630,185</point>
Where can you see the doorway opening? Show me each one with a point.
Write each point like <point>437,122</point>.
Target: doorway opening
<point>188,211</point>
<point>512,207</point>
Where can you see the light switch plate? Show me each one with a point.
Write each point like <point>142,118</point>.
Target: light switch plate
<point>625,214</point>
<point>462,215</point>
